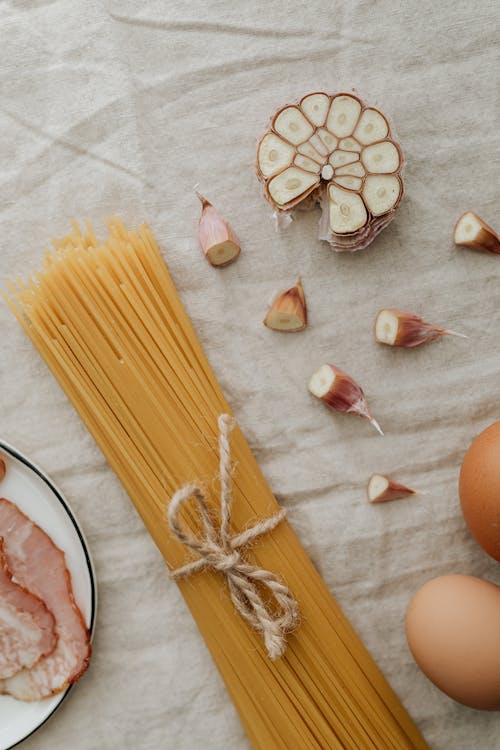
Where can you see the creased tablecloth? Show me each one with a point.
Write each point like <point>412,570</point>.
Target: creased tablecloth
<point>123,107</point>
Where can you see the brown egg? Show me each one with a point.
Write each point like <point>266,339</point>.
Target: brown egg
<point>479,489</point>
<point>453,630</point>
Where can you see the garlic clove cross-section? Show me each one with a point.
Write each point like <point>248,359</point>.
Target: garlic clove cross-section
<point>333,145</point>
<point>471,231</point>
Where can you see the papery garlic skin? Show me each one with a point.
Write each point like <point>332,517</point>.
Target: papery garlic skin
<point>401,328</point>
<point>340,392</point>
<point>218,240</point>
<point>288,313</point>
<point>472,232</point>
<point>328,141</point>
<point>382,489</point>
<point>2,469</point>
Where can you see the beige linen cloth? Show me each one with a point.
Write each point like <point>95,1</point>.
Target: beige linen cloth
<point>119,106</point>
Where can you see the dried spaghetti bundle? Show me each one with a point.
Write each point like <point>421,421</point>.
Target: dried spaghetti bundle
<point>109,323</point>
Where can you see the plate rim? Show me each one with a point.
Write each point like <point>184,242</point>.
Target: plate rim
<point>19,456</point>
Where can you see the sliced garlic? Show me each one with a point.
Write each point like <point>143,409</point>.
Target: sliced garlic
<point>341,158</point>
<point>471,231</point>
<point>290,184</point>
<point>372,126</point>
<point>307,149</point>
<point>347,211</point>
<point>381,489</point>
<point>288,312</point>
<point>381,193</point>
<point>274,154</point>
<point>343,115</point>
<point>318,145</point>
<point>349,144</point>
<point>308,164</point>
<point>292,125</point>
<point>328,140</point>
<point>355,169</point>
<point>340,392</point>
<point>315,107</point>
<point>381,158</point>
<point>336,140</point>
<point>348,182</point>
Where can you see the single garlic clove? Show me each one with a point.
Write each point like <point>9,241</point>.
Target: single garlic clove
<point>347,210</point>
<point>308,164</point>
<point>340,392</point>
<point>381,158</point>
<point>354,170</point>
<point>382,193</point>
<point>372,126</point>
<point>329,141</point>
<point>290,185</point>
<point>349,183</point>
<point>400,328</point>
<point>217,238</point>
<point>381,489</point>
<point>343,115</point>
<point>288,312</point>
<point>471,231</point>
<point>341,158</point>
<point>349,144</point>
<point>273,154</point>
<point>2,469</point>
<point>315,107</point>
<point>292,125</point>
<point>307,149</point>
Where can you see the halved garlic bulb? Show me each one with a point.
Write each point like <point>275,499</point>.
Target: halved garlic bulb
<point>337,147</point>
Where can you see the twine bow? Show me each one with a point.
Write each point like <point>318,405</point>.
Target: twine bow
<point>218,550</point>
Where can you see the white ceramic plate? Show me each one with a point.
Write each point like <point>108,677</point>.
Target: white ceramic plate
<point>34,493</point>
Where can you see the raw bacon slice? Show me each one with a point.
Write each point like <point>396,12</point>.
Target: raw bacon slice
<point>26,625</point>
<point>40,566</point>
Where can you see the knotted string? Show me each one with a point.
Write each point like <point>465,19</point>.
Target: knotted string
<point>218,550</point>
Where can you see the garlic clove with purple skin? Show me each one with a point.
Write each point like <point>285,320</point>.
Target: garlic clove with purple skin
<point>340,392</point>
<point>218,240</point>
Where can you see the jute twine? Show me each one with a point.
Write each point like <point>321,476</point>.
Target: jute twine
<point>220,551</point>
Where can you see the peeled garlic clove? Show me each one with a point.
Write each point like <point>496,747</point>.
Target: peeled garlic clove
<point>340,392</point>
<point>288,311</point>
<point>217,238</point>
<point>2,469</point>
<point>471,231</point>
<point>401,328</point>
<point>381,489</point>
